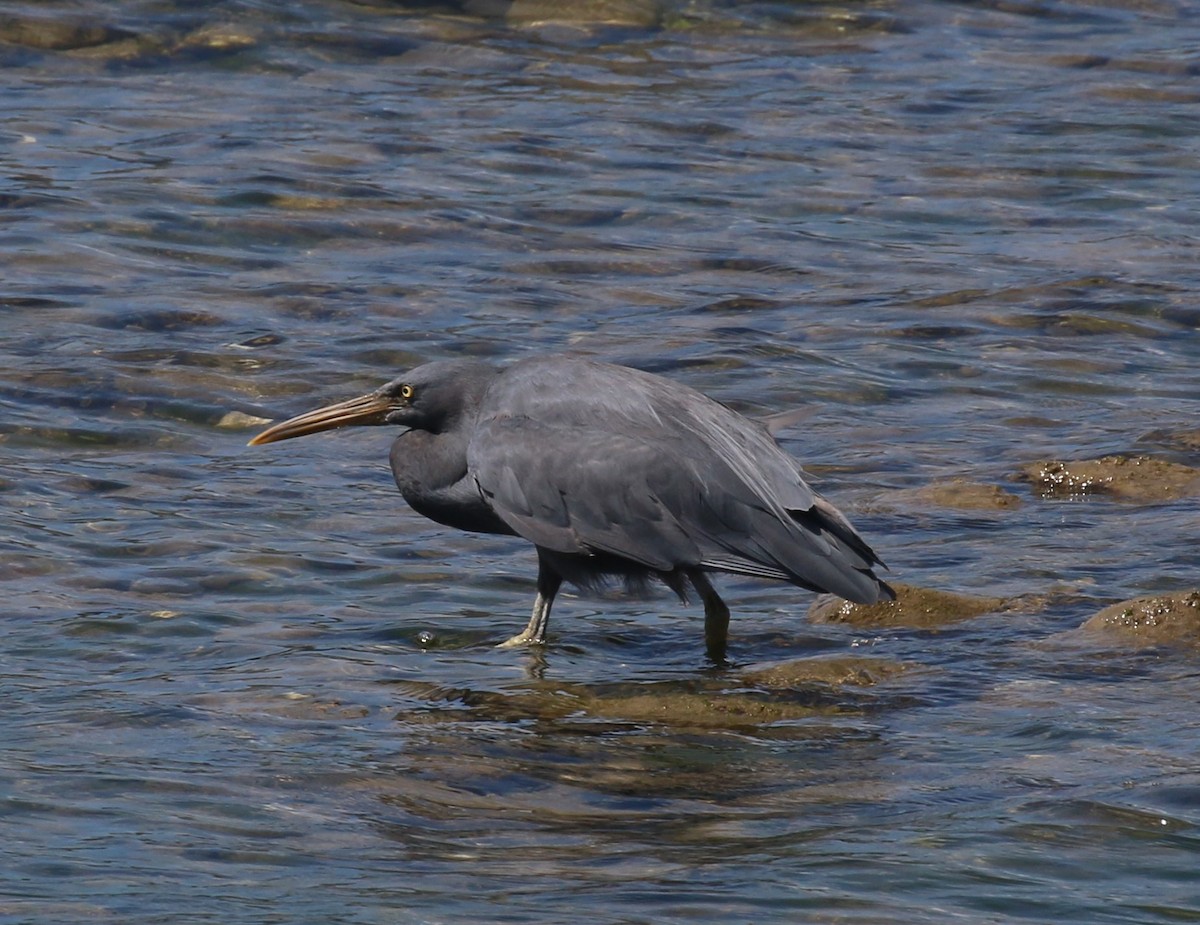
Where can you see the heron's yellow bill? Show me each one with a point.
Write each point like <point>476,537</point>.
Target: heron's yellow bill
<point>366,409</point>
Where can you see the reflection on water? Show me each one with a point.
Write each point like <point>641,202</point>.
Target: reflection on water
<point>954,244</point>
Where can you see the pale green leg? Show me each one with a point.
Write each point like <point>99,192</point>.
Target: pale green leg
<point>534,634</point>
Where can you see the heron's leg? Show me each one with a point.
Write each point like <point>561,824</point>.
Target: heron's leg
<point>548,583</point>
<point>716,615</point>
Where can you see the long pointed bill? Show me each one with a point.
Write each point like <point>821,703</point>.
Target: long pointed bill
<point>367,409</point>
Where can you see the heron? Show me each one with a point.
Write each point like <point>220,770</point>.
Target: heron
<point>611,473</point>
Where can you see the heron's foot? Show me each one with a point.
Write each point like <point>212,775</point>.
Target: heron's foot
<point>534,633</point>
<point>527,637</point>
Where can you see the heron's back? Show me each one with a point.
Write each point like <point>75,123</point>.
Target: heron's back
<point>585,457</point>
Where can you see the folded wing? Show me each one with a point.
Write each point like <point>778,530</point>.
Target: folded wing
<point>658,474</point>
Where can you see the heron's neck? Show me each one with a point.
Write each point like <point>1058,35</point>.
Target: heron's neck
<point>432,474</point>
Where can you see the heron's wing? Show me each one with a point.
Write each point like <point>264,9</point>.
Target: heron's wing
<point>573,490</point>
<point>583,457</point>
<point>782,420</point>
<point>566,392</point>
<point>664,504</point>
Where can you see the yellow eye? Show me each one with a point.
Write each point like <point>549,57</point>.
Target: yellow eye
<point>407,392</point>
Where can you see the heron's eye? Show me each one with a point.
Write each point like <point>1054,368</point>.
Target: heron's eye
<point>407,392</point>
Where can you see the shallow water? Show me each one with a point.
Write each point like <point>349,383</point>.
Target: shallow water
<point>248,685</point>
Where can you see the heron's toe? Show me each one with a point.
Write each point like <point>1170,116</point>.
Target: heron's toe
<point>525,638</point>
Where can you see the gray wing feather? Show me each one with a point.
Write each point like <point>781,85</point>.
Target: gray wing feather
<point>559,488</point>
<point>583,457</point>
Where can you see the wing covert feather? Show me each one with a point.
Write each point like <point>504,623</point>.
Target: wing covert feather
<point>583,457</point>
<point>558,488</point>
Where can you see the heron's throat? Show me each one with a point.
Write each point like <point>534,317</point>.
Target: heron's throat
<point>432,474</point>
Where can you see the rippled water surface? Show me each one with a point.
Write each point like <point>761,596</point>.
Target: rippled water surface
<point>249,686</point>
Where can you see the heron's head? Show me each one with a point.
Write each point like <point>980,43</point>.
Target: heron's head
<point>433,397</point>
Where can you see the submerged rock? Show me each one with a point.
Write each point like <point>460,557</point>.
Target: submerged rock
<point>920,608</point>
<point>1134,479</point>
<point>237,420</point>
<point>787,691</point>
<point>1155,619</point>
<point>57,34</point>
<point>701,709</point>
<point>715,704</point>
<point>958,493</point>
<point>841,670</point>
<point>642,13</point>
<point>1187,439</point>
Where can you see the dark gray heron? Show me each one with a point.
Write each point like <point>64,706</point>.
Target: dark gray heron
<point>609,472</point>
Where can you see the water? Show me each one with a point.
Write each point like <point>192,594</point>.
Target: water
<point>250,686</point>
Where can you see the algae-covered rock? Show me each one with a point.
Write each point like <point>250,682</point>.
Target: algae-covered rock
<point>236,420</point>
<point>754,697</point>
<point>921,608</point>
<point>1187,439</point>
<point>219,37</point>
<point>969,496</point>
<point>1133,479</point>
<point>57,33</point>
<point>700,709</point>
<point>710,704</point>
<point>958,493</point>
<point>642,13</point>
<point>1154,619</point>
<point>844,670</point>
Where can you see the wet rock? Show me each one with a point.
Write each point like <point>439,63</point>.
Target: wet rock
<point>919,608</point>
<point>969,496</point>
<point>257,343</point>
<point>839,670</point>
<point>160,45</point>
<point>641,13</point>
<point>1156,619</point>
<point>794,690</point>
<point>56,34</point>
<point>697,705</point>
<point>293,705</point>
<point>307,707</point>
<point>1188,440</point>
<point>701,709</point>
<point>158,320</point>
<point>238,420</point>
<point>1133,479</point>
<point>222,37</point>
<point>958,493</point>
